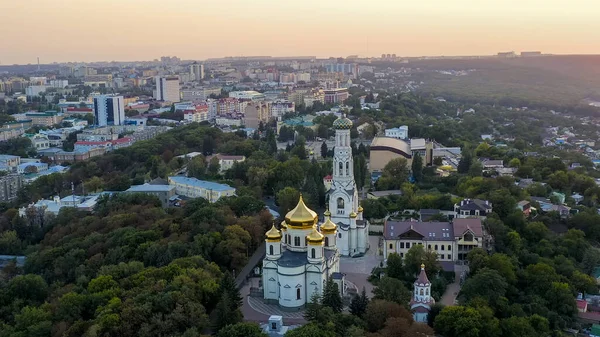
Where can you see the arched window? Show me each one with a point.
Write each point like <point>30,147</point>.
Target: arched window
<point>340,235</point>
<point>340,203</point>
<point>449,247</point>
<point>326,242</point>
<point>312,253</point>
<point>347,168</point>
<point>442,246</point>
<point>341,165</point>
<point>436,247</point>
<point>271,250</point>
<point>298,293</point>
<point>421,292</point>
<point>427,292</point>
<point>296,241</point>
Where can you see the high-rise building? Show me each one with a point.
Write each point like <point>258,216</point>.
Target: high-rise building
<point>353,232</point>
<point>167,89</point>
<point>197,71</point>
<point>109,110</point>
<point>10,186</point>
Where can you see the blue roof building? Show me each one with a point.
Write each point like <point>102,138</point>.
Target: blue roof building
<point>195,188</point>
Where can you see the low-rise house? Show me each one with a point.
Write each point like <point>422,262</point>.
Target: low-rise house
<point>10,161</point>
<point>379,194</point>
<point>577,198</point>
<point>226,161</point>
<point>489,164</point>
<point>473,208</point>
<point>194,188</point>
<point>525,207</point>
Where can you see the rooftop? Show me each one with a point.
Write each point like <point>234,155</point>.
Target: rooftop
<point>439,231</point>
<point>391,144</point>
<point>460,226</point>
<point>151,188</point>
<point>209,185</point>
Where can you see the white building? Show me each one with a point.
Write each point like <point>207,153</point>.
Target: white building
<point>251,95</point>
<point>281,107</point>
<point>196,95</point>
<point>226,161</point>
<point>59,83</point>
<point>167,89</point>
<point>194,188</point>
<point>197,71</point>
<point>35,90</point>
<point>398,133</point>
<point>226,121</point>
<point>421,302</point>
<point>109,110</point>
<point>297,267</point>
<point>353,236</point>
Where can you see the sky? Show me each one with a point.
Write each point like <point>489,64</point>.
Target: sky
<point>129,30</point>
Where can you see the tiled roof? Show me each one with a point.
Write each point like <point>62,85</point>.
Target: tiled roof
<point>475,204</point>
<point>439,231</point>
<point>460,226</point>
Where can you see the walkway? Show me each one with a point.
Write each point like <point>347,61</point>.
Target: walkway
<point>449,297</point>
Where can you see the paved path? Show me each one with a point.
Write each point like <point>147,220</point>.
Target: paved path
<point>453,289</point>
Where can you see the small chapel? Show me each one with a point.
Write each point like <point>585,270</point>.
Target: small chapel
<point>300,257</point>
<point>421,302</point>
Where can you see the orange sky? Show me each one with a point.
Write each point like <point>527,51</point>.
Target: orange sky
<point>96,30</point>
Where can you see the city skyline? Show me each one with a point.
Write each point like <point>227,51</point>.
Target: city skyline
<point>145,30</point>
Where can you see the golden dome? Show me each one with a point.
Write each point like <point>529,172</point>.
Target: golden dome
<point>273,234</point>
<point>301,215</point>
<point>327,212</point>
<point>328,227</point>
<point>353,214</point>
<point>360,209</point>
<point>283,226</point>
<point>315,236</point>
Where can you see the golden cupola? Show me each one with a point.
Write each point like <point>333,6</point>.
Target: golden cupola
<point>273,235</point>
<point>360,209</point>
<point>328,227</point>
<point>283,226</point>
<point>301,216</point>
<point>315,237</point>
<point>353,214</point>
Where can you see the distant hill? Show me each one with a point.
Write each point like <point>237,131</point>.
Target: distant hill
<point>551,81</point>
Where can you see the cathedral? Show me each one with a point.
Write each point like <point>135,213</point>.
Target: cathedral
<point>353,230</point>
<point>421,303</point>
<point>300,258</point>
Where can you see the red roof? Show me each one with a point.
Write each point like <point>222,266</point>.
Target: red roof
<point>422,279</point>
<point>328,177</point>
<point>121,140</point>
<point>581,304</point>
<point>79,109</point>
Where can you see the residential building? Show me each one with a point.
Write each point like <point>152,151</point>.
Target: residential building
<point>469,208</point>
<point>164,193</point>
<point>194,188</point>
<point>9,161</point>
<point>255,113</point>
<point>197,72</point>
<point>281,107</point>
<point>229,121</point>
<point>109,110</point>
<point>40,141</point>
<point>353,235</point>
<point>196,95</point>
<point>335,96</point>
<point>48,118</point>
<point>251,95</point>
<point>384,149</point>
<point>297,267</point>
<point>35,90</point>
<point>398,133</point>
<point>199,113</point>
<point>524,206</point>
<point>10,186</point>
<point>227,106</point>
<point>167,89</point>
<point>226,161</point>
<point>451,241</point>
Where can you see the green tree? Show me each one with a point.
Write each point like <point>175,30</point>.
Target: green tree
<point>373,209</point>
<point>332,297</point>
<point>310,330</point>
<point>197,167</point>
<point>465,162</point>
<point>395,267</point>
<point>459,321</point>
<point>393,290</point>
<point>487,284</point>
<point>417,167</point>
<point>416,256</point>
<point>517,327</point>
<point>287,199</point>
<point>379,311</point>
<point>314,308</point>
<point>359,304</point>
<point>394,174</point>
<point>213,166</point>
<point>324,150</point>
<point>224,314</point>
<point>242,330</point>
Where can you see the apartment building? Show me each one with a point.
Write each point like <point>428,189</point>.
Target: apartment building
<point>10,186</point>
<point>255,113</point>
<point>167,89</point>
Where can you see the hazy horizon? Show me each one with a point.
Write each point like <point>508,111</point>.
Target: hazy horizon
<point>143,30</point>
